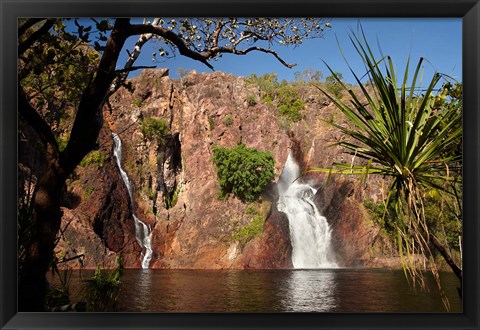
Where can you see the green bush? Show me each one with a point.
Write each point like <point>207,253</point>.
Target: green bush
<point>243,171</point>
<point>211,123</point>
<point>333,85</point>
<point>247,233</point>
<point>88,191</point>
<point>228,120</point>
<point>251,101</point>
<point>171,200</point>
<point>62,142</point>
<point>386,220</point>
<point>96,157</point>
<point>102,289</point>
<point>154,129</point>
<point>137,103</point>
<point>280,94</point>
<point>290,104</point>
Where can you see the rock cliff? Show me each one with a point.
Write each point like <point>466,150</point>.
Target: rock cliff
<point>176,186</point>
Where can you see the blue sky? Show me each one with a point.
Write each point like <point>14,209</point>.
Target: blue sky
<point>439,40</point>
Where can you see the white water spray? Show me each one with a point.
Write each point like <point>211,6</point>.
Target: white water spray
<point>143,233</point>
<point>310,233</point>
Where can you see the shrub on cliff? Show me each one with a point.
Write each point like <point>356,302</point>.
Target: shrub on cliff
<point>280,94</point>
<point>243,171</point>
<point>154,129</point>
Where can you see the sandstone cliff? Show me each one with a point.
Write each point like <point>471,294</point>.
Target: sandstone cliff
<point>176,184</point>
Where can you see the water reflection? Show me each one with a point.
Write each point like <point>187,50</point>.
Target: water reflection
<point>310,291</point>
<point>326,290</point>
<point>142,282</point>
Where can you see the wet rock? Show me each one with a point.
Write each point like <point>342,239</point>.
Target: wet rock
<point>273,249</point>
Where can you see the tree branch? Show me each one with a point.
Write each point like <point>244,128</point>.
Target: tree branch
<point>172,37</point>
<point>440,248</point>
<point>133,68</point>
<point>132,57</point>
<point>22,48</point>
<point>219,50</point>
<point>28,24</point>
<point>89,120</point>
<point>35,120</point>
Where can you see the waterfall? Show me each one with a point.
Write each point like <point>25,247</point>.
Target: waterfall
<point>310,233</point>
<point>143,233</point>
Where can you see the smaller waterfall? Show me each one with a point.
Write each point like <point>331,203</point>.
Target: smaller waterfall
<point>309,230</point>
<point>143,233</point>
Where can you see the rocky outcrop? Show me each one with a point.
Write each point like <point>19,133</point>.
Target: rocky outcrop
<point>176,188</point>
<point>356,240</point>
<point>176,183</point>
<point>80,245</point>
<point>273,249</point>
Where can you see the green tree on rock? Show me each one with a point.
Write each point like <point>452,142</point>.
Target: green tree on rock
<point>243,171</point>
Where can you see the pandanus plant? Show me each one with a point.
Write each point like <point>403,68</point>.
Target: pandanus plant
<point>410,133</point>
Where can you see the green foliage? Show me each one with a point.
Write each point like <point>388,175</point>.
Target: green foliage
<point>154,129</point>
<point>151,194</point>
<point>280,94</point>
<point>245,234</point>
<point>101,290</point>
<point>243,171</point>
<point>408,137</point>
<point>56,296</point>
<point>228,120</point>
<point>251,100</point>
<point>172,200</point>
<point>137,103</point>
<point>333,84</point>
<point>211,123</point>
<point>61,142</point>
<point>386,218</point>
<point>55,71</point>
<point>95,157</point>
<point>88,191</point>
<point>267,83</point>
<point>444,217</point>
<point>289,103</point>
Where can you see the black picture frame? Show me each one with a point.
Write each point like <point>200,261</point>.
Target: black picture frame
<point>468,10</point>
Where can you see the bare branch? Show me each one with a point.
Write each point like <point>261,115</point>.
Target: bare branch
<point>172,37</point>
<point>133,68</point>
<point>218,50</point>
<point>132,57</point>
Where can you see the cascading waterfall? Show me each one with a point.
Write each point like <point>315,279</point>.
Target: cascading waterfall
<point>310,233</point>
<point>143,233</point>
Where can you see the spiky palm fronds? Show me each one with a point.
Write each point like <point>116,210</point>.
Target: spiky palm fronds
<point>408,136</point>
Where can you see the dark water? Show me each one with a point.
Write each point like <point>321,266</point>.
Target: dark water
<point>332,290</point>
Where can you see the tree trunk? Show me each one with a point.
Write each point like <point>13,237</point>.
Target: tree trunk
<point>39,254</point>
<point>448,258</point>
<point>83,137</point>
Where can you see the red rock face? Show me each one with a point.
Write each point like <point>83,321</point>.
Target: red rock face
<point>273,249</point>
<point>198,230</point>
<point>79,240</point>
